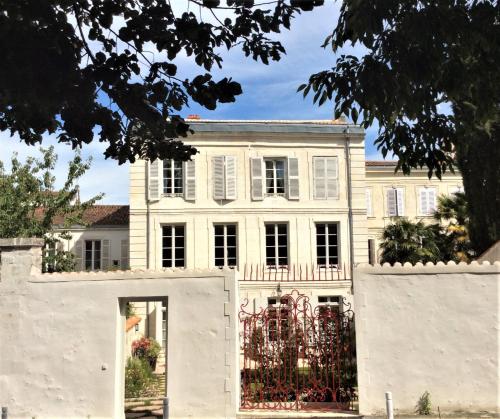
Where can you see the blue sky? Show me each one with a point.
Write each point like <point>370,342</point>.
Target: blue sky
<point>269,92</point>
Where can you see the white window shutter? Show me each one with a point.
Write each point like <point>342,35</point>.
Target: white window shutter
<point>319,178</point>
<point>293,178</point>
<point>124,254</point>
<point>78,250</point>
<point>391,203</point>
<point>231,190</point>
<point>401,202</point>
<point>154,179</point>
<point>256,164</point>
<point>432,201</point>
<point>189,180</point>
<point>105,250</point>
<point>369,208</point>
<point>424,208</point>
<point>218,177</point>
<point>332,183</point>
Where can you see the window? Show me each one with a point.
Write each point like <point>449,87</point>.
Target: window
<point>164,326</point>
<point>427,201</point>
<point>173,246</point>
<point>276,245</point>
<point>395,202</point>
<point>278,318</point>
<point>275,177</point>
<point>92,255</point>
<point>224,177</point>
<point>225,245</point>
<point>172,177</point>
<point>327,251</point>
<point>325,173</point>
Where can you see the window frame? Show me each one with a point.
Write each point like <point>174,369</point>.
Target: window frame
<point>429,212</point>
<point>276,236</point>
<point>275,178</point>
<point>225,245</point>
<point>173,246</point>
<point>327,244</point>
<point>172,175</point>
<point>395,189</point>
<point>93,251</point>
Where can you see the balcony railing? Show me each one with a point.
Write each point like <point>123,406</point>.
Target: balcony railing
<point>293,273</point>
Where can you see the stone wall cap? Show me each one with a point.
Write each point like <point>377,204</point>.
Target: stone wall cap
<point>429,268</point>
<point>22,242</point>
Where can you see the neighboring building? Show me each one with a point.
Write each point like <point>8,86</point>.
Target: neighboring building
<point>390,195</point>
<point>102,243</point>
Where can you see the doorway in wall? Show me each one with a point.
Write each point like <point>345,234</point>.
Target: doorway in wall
<point>145,356</point>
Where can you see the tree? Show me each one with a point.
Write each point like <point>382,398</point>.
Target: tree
<point>29,204</point>
<point>107,66</point>
<point>406,241</point>
<point>430,78</point>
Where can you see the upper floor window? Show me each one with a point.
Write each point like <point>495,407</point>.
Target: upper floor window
<point>276,245</point>
<point>173,181</point>
<point>427,201</point>
<point>326,179</point>
<point>327,245</point>
<point>173,246</point>
<point>92,255</point>
<point>224,177</point>
<point>395,202</point>
<point>225,245</point>
<point>275,176</point>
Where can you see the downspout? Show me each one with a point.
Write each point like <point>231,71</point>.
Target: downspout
<point>148,216</point>
<point>349,198</point>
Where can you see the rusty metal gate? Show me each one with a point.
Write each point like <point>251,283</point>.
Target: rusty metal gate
<point>294,356</point>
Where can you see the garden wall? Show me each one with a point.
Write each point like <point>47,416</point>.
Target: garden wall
<point>62,338</point>
<point>428,328</point>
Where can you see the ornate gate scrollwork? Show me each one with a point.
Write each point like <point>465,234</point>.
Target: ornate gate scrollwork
<point>295,356</point>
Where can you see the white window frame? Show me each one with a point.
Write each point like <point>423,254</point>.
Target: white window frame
<point>173,177</point>
<point>327,244</point>
<point>330,183</point>
<point>273,160</point>
<point>276,246</point>
<point>430,209</point>
<point>92,253</point>
<point>225,246</point>
<point>395,190</point>
<point>173,247</point>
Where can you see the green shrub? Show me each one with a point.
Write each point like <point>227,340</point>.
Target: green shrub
<point>138,377</point>
<point>423,406</point>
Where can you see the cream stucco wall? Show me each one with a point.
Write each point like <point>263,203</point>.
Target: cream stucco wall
<point>62,338</point>
<point>301,215</point>
<point>432,328</point>
<point>380,179</point>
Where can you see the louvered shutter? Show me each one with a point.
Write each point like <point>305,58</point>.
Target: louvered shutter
<point>257,178</point>
<point>332,183</point>
<point>230,178</point>
<point>105,254</point>
<point>391,203</point>
<point>78,250</point>
<point>218,177</point>
<point>319,173</point>
<point>124,254</point>
<point>401,202</point>
<point>293,178</point>
<point>189,180</point>
<point>369,208</point>
<point>432,201</point>
<point>424,209</point>
<point>154,179</point>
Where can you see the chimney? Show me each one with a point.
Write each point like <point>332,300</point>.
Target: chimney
<point>194,116</point>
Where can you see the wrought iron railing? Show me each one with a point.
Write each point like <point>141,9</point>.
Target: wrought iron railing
<point>293,273</point>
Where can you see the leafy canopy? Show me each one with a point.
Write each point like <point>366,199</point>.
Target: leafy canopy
<point>77,68</point>
<point>29,203</point>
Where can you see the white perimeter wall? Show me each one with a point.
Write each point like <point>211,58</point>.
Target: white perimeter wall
<point>62,339</point>
<point>432,328</point>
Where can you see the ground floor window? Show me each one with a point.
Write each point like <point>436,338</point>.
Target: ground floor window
<point>327,244</point>
<point>225,236</point>
<point>276,245</point>
<point>92,255</point>
<point>173,246</point>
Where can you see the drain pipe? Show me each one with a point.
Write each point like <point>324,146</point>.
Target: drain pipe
<point>349,198</point>
<point>389,405</point>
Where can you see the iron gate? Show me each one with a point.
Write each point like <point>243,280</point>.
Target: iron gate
<point>297,357</point>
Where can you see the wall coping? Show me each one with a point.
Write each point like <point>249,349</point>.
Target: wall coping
<point>22,242</point>
<point>428,268</point>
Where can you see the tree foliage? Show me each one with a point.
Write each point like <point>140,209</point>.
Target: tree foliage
<point>430,78</point>
<point>29,204</point>
<point>79,67</point>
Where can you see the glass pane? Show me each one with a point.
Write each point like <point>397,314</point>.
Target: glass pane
<point>269,165</point>
<point>179,242</point>
<point>88,245</point>
<point>283,261</point>
<point>179,263</point>
<point>166,241</point>
<point>179,231</point>
<point>167,254</point>
<point>282,251</point>
<point>219,230</point>
<point>269,185</point>
<point>179,253</point>
<point>166,263</point>
<point>231,252</point>
<point>269,240</point>
<point>269,228</point>
<point>320,240</point>
<point>321,251</point>
<point>231,261</point>
<point>231,230</point>
<point>167,230</point>
<point>97,263</point>
<point>281,228</point>
<point>219,261</point>
<point>231,241</point>
<point>219,252</point>
<point>270,252</point>
<point>320,228</point>
<point>219,241</point>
